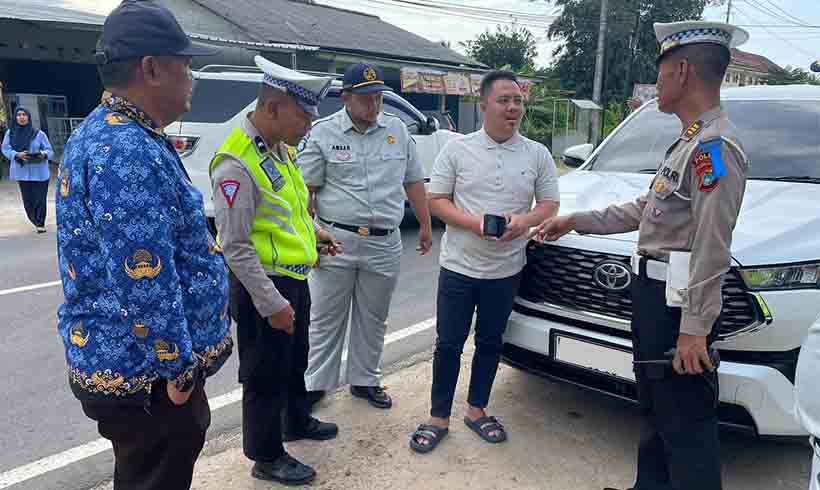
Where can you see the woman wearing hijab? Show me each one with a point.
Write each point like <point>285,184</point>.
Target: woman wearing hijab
<point>29,152</point>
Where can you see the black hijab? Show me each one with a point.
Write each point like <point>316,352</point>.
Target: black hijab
<point>21,136</point>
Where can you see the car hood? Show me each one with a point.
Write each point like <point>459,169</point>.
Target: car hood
<point>779,222</point>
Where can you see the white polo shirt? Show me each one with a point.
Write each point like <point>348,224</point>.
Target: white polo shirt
<point>486,177</point>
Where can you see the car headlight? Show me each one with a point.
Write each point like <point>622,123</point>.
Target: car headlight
<point>799,276</point>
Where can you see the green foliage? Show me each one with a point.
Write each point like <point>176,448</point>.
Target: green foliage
<point>793,76</point>
<point>510,47</point>
<point>631,47</point>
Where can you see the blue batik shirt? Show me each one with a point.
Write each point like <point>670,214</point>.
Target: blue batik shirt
<point>145,284</point>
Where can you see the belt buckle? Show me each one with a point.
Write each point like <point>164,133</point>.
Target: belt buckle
<point>364,231</point>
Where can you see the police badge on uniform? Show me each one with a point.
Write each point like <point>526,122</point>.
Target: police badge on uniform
<point>277,181</point>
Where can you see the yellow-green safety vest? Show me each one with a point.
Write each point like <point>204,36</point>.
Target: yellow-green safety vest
<point>282,230</point>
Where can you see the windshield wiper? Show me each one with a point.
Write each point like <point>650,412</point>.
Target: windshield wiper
<point>793,178</point>
<point>648,171</point>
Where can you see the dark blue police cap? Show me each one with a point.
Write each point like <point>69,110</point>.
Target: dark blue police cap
<point>815,67</point>
<point>364,79</point>
<point>138,28</point>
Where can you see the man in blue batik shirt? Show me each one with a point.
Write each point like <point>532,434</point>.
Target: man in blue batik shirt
<point>145,319</point>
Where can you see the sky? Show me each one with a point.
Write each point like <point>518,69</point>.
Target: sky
<point>772,24</point>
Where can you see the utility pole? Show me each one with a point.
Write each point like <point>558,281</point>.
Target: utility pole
<point>729,12</point>
<point>599,74</point>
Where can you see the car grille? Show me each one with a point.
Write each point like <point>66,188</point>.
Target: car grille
<point>563,277</point>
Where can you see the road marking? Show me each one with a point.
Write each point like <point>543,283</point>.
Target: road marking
<point>30,288</point>
<point>79,453</point>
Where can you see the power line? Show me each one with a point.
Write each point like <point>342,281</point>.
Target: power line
<point>406,6</point>
<point>787,14</point>
<point>766,10</point>
<point>796,47</point>
<point>480,10</point>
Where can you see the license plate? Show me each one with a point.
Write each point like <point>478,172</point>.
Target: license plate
<point>594,357</point>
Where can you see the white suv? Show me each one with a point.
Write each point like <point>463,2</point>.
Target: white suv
<point>222,95</point>
<point>572,314</point>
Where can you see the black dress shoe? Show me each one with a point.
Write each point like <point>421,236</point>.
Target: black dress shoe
<point>285,470</point>
<point>314,430</point>
<point>375,395</point>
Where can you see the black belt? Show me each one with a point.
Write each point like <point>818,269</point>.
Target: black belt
<point>361,230</point>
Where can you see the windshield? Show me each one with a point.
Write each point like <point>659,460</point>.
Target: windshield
<point>781,139</point>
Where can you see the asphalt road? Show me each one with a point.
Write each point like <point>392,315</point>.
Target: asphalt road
<point>39,416</point>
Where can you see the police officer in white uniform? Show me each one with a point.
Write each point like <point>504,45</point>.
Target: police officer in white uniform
<point>359,163</point>
<point>806,394</point>
<point>685,223</point>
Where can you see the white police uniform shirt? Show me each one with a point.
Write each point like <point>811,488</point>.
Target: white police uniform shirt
<point>360,178</point>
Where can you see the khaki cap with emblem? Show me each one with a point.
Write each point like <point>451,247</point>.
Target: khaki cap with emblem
<point>674,35</point>
<point>307,90</point>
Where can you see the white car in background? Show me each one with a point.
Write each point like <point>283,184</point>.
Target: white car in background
<point>572,315</point>
<point>223,95</point>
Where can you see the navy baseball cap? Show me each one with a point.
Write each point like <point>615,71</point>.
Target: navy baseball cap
<point>364,79</point>
<point>815,67</point>
<point>138,28</point>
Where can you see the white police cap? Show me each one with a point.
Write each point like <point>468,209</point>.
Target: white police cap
<point>675,34</point>
<point>307,90</point>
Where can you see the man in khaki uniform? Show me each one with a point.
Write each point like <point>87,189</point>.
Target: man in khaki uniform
<point>685,224</point>
<point>271,244</point>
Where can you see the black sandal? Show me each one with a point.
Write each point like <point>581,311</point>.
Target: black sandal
<point>484,426</point>
<point>432,434</point>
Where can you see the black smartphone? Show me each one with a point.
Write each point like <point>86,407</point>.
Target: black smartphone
<point>494,225</point>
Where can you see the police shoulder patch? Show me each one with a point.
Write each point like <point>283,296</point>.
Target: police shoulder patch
<point>705,171</point>
<point>230,189</point>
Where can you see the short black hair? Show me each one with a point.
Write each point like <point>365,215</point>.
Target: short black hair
<point>494,76</point>
<point>119,73</point>
<point>709,60</point>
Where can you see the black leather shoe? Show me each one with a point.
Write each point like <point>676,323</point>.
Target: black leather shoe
<point>375,395</point>
<point>314,430</point>
<point>285,470</point>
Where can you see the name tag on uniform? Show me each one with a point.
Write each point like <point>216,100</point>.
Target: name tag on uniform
<point>277,181</point>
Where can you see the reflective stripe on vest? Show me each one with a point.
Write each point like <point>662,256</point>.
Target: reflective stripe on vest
<point>282,230</point>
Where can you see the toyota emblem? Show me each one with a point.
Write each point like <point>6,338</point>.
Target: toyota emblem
<point>612,275</point>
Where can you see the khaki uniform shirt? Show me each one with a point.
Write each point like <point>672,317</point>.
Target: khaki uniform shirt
<point>360,177</point>
<point>689,207</point>
<point>234,221</point>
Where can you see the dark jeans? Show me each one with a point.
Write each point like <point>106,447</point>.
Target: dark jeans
<point>272,368</point>
<point>458,298</point>
<point>34,200</point>
<point>154,448</point>
<point>679,447</point>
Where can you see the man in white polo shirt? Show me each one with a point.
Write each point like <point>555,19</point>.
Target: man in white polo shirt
<point>494,172</point>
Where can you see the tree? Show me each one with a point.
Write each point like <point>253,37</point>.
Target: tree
<point>793,76</point>
<point>631,47</point>
<point>509,47</point>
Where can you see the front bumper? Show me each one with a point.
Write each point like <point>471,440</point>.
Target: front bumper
<point>755,397</point>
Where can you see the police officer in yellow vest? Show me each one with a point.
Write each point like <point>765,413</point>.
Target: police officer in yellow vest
<point>271,243</point>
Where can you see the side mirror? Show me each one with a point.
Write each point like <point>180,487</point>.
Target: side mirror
<point>575,156</point>
<point>432,125</point>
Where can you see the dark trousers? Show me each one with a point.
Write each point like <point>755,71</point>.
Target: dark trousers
<point>272,369</point>
<point>458,298</point>
<point>679,447</point>
<point>155,447</point>
<point>34,200</point>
